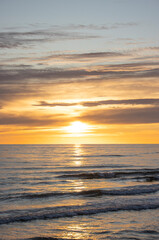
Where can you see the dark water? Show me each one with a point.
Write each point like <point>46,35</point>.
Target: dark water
<point>79,192</point>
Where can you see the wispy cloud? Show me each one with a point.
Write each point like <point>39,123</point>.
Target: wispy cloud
<point>15,37</point>
<point>66,58</point>
<point>12,39</point>
<point>134,57</point>
<point>82,57</point>
<point>101,26</point>
<point>54,74</point>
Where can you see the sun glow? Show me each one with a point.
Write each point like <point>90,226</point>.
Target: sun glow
<point>77,127</point>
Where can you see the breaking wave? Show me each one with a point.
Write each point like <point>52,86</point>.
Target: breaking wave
<point>114,174</point>
<point>120,204</point>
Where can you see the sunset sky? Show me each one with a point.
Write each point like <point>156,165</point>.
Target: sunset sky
<point>79,71</point>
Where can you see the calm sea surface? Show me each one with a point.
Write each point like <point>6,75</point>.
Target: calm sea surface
<point>79,192</point>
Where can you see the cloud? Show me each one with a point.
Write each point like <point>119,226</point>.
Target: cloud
<point>134,57</point>
<point>12,39</point>
<point>32,120</point>
<point>146,101</point>
<point>48,74</point>
<point>66,58</point>
<point>15,38</point>
<point>122,116</point>
<point>25,81</point>
<point>81,57</point>
<point>142,65</point>
<point>125,102</point>
<point>54,74</point>
<point>101,26</point>
<point>60,104</point>
<point>94,55</point>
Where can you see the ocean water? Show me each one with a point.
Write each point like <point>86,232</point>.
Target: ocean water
<point>79,192</point>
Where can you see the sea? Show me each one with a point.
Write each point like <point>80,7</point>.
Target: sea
<point>103,191</point>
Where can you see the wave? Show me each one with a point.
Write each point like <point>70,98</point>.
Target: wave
<point>114,174</point>
<point>120,204</point>
<point>147,232</point>
<point>96,166</point>
<point>44,238</point>
<point>133,190</point>
<point>32,195</point>
<point>103,155</point>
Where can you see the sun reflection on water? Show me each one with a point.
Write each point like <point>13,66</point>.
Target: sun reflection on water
<point>77,231</point>
<point>78,185</point>
<point>77,149</point>
<point>77,155</point>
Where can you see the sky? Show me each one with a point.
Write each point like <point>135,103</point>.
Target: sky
<point>79,72</point>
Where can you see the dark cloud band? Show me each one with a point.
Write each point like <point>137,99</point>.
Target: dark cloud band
<point>146,101</point>
<point>122,116</point>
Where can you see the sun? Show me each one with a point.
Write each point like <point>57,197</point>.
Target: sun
<point>77,127</point>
